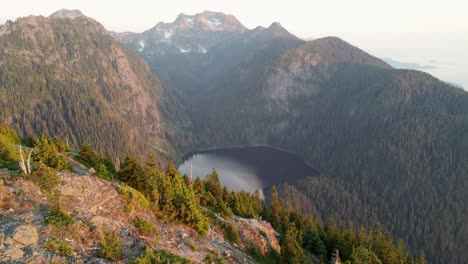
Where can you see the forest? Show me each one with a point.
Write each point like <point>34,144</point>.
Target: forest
<point>175,198</point>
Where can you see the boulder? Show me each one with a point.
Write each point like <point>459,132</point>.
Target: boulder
<point>13,253</point>
<point>25,235</point>
<point>8,241</point>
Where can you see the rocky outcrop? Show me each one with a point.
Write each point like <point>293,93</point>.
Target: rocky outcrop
<point>258,233</point>
<point>97,205</point>
<point>25,235</point>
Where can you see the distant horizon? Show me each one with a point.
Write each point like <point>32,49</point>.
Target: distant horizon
<point>396,30</point>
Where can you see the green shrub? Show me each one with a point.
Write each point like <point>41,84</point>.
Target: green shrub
<point>271,256</point>
<point>144,227</point>
<point>135,200</point>
<point>230,232</point>
<point>46,152</point>
<point>8,141</point>
<point>9,164</point>
<point>59,247</point>
<point>213,259</point>
<point>58,217</point>
<point>89,155</point>
<point>110,246</point>
<point>160,256</point>
<point>45,178</point>
<point>102,172</point>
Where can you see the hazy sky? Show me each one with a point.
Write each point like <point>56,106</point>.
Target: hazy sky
<point>419,31</point>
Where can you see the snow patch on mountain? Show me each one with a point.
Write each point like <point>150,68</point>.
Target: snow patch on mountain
<point>168,34</point>
<point>184,50</point>
<point>190,20</point>
<point>215,22</point>
<point>142,45</point>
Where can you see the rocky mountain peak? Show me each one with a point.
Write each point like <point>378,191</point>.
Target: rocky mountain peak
<point>207,21</point>
<point>277,30</point>
<point>68,13</point>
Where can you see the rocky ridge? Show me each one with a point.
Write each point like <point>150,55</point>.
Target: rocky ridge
<point>98,205</point>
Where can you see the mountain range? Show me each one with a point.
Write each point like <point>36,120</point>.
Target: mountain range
<point>391,144</point>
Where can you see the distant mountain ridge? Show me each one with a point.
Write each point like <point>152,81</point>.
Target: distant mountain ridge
<point>407,65</point>
<point>191,34</point>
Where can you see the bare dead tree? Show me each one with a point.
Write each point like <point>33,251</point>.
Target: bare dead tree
<point>25,167</point>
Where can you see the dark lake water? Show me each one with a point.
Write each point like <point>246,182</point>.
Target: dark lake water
<point>247,168</point>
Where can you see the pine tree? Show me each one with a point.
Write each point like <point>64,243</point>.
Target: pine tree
<point>89,155</point>
<point>291,245</point>
<point>102,172</point>
<point>132,174</point>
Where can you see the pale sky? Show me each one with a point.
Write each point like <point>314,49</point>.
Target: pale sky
<point>410,30</point>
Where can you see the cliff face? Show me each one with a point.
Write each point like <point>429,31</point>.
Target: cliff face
<point>99,206</point>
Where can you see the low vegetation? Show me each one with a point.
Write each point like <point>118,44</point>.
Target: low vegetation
<point>56,216</point>
<point>110,245</point>
<point>231,233</point>
<point>58,247</point>
<point>210,259</point>
<point>160,256</point>
<point>143,226</point>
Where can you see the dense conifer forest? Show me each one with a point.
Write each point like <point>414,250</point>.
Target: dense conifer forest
<point>176,198</point>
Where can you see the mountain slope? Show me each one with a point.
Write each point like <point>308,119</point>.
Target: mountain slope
<point>392,141</point>
<point>396,138</point>
<point>70,78</point>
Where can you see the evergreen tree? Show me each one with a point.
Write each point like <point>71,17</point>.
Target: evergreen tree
<point>45,152</point>
<point>362,255</point>
<point>291,245</point>
<point>89,155</point>
<point>132,173</point>
<point>102,172</point>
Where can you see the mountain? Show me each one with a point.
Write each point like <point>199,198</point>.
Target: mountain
<point>70,78</point>
<point>390,143</point>
<point>66,13</point>
<point>187,34</point>
<point>393,140</point>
